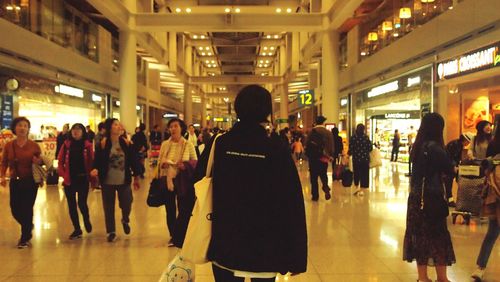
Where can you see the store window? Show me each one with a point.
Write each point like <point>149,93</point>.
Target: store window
<point>395,20</point>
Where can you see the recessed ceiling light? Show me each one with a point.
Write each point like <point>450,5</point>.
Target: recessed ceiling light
<point>200,48</point>
<point>289,10</point>
<point>203,54</point>
<point>207,61</point>
<point>267,61</point>
<point>207,48</point>
<point>266,65</point>
<point>276,36</point>
<point>195,36</point>
<point>272,48</point>
<point>178,10</point>
<point>260,65</point>
<point>263,74</point>
<point>264,54</point>
<point>213,62</point>
<point>188,10</point>
<point>202,36</point>
<point>237,10</point>
<point>227,10</point>
<point>209,53</point>
<point>278,10</point>
<point>265,48</point>
<point>268,36</point>
<point>270,54</point>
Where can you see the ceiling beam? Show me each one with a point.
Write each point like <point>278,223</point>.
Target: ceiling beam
<point>223,42</point>
<point>228,22</point>
<point>235,79</point>
<point>238,68</point>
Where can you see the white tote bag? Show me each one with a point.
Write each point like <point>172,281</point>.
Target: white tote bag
<point>178,270</point>
<point>375,158</point>
<point>199,231</point>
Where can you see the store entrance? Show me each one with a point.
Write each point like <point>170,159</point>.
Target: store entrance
<point>384,120</point>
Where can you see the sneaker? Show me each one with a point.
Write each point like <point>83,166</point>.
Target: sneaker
<point>126,228</point>
<point>478,274</point>
<point>358,190</point>
<point>88,226</point>
<point>171,243</point>
<point>77,234</point>
<point>22,244</point>
<point>328,196</point>
<point>111,237</point>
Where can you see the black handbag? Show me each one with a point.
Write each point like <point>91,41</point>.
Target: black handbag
<point>157,195</point>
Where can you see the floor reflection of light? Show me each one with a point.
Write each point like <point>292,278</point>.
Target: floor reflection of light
<point>388,240</point>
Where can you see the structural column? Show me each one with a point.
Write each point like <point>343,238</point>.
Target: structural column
<point>330,76</point>
<point>203,122</point>
<point>128,80</point>
<point>188,97</point>
<point>283,89</point>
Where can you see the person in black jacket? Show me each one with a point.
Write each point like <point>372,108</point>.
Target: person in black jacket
<point>115,163</point>
<point>338,147</point>
<point>258,223</point>
<point>61,137</point>
<point>155,136</point>
<point>140,143</point>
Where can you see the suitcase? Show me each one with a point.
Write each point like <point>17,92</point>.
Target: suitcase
<point>347,176</point>
<point>52,177</point>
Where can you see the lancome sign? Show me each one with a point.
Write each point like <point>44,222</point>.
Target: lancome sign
<point>477,60</point>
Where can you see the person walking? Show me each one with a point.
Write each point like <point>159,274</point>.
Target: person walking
<point>140,144</point>
<point>454,150</point>
<point>479,144</point>
<point>338,147</point>
<point>75,163</point>
<point>175,154</point>
<point>319,150</point>
<point>18,156</point>
<point>491,209</point>
<point>115,164</point>
<point>90,134</point>
<point>360,147</point>
<point>395,146</point>
<point>255,175</point>
<point>298,149</point>
<point>155,137</point>
<point>427,239</point>
<point>61,137</point>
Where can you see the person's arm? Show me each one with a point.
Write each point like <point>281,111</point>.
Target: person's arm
<point>5,163</point>
<point>61,160</point>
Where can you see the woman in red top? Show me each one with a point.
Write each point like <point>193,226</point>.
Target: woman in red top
<point>75,163</point>
<point>19,156</point>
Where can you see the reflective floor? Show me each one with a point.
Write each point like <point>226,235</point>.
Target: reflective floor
<point>350,239</point>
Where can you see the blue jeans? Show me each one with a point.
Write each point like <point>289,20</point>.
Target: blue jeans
<point>488,243</point>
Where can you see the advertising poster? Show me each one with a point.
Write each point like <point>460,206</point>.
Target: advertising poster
<point>474,111</point>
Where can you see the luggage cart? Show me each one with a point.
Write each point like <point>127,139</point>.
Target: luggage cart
<point>154,153</point>
<point>471,180</point>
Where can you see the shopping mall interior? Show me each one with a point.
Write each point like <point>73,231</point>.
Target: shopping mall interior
<point>382,63</point>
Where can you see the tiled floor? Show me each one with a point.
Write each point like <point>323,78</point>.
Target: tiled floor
<point>350,239</point>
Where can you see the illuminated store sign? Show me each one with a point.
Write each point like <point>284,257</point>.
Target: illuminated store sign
<point>96,98</point>
<point>383,89</point>
<point>398,116</point>
<point>481,59</point>
<point>343,102</point>
<point>306,97</point>
<point>68,90</point>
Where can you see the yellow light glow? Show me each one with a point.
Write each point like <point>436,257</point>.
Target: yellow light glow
<point>387,25</point>
<point>272,48</point>
<point>264,54</point>
<point>260,65</point>
<point>237,10</point>
<point>213,62</point>
<point>202,36</point>
<point>207,48</point>
<point>268,36</point>
<point>278,10</point>
<point>227,10</point>
<point>265,48</point>
<point>200,48</point>
<point>426,1</point>
<point>18,8</point>
<point>188,10</point>
<point>178,10</point>
<point>9,8</point>
<point>203,53</point>
<point>276,36</point>
<point>267,61</point>
<point>195,36</point>
<point>207,61</point>
<point>209,53</point>
<point>372,36</point>
<point>405,13</point>
<point>289,10</point>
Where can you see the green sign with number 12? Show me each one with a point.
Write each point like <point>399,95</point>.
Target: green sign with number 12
<point>306,97</point>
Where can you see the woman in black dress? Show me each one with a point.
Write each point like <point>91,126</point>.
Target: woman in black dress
<point>427,239</point>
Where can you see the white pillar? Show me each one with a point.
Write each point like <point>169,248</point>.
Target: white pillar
<point>330,76</point>
<point>203,122</point>
<point>188,97</point>
<point>128,80</point>
<point>282,88</point>
<point>172,51</point>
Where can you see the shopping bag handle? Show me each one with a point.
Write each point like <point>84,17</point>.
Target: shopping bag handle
<point>211,158</point>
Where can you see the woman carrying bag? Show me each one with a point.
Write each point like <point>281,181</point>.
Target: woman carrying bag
<point>427,239</point>
<point>18,156</point>
<point>75,163</point>
<point>177,160</point>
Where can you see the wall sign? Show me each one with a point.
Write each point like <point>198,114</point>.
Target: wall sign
<point>400,115</point>
<point>411,81</point>
<point>306,98</point>
<point>343,102</point>
<point>7,109</point>
<point>68,90</point>
<point>383,89</point>
<point>481,59</point>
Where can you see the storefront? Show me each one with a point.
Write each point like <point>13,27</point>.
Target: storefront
<point>115,111</point>
<point>48,104</point>
<point>469,89</point>
<point>395,104</point>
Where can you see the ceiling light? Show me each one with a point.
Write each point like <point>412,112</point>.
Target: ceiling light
<point>203,54</point>
<point>261,61</point>
<point>427,1</point>
<point>363,53</point>
<point>213,62</point>
<point>227,10</point>
<point>272,48</point>
<point>268,36</point>
<point>266,65</point>
<point>263,74</point>
<point>18,8</point>
<point>207,48</point>
<point>260,65</point>
<point>265,48</point>
<point>267,61</point>
<point>202,36</point>
<point>200,48</point>
<point>289,10</point>
<point>276,36</point>
<point>207,61</point>
<point>237,10</point>
<point>372,36</point>
<point>178,10</point>
<point>195,36</point>
<point>278,10</point>
<point>396,34</point>
<point>209,53</point>
<point>387,25</point>
<point>264,54</point>
<point>270,54</point>
<point>188,10</point>
<point>405,13</point>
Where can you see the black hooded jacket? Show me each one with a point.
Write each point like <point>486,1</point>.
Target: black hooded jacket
<point>258,222</point>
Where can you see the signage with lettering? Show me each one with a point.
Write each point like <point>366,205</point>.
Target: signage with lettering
<point>481,59</point>
<point>306,97</point>
<point>401,115</point>
<point>68,90</point>
<point>412,81</point>
<point>7,109</point>
<point>383,89</point>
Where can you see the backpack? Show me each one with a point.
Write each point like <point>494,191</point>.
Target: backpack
<point>315,145</point>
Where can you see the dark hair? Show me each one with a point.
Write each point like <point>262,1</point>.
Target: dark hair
<point>108,123</point>
<point>181,123</point>
<point>335,131</point>
<point>481,136</point>
<point>100,126</point>
<point>84,131</point>
<point>155,126</point>
<point>360,129</point>
<point>142,127</point>
<point>431,129</point>
<point>495,142</point>
<point>17,120</point>
<point>253,104</point>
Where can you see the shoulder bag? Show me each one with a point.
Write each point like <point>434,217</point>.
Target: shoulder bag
<point>199,231</point>
<point>157,195</point>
